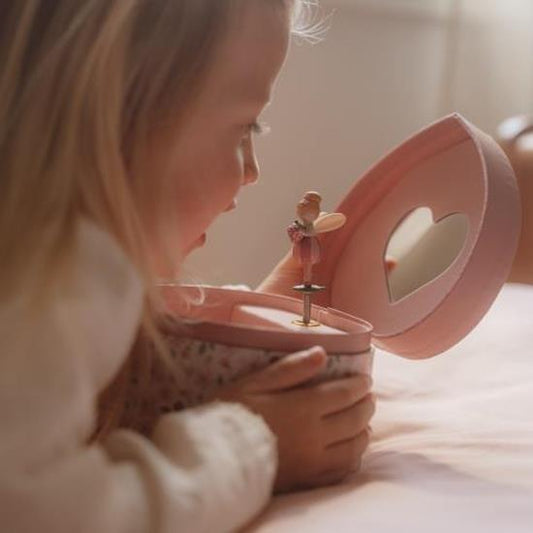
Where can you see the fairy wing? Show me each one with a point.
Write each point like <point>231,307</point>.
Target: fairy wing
<point>329,222</point>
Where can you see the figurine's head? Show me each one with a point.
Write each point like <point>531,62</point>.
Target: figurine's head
<point>308,208</point>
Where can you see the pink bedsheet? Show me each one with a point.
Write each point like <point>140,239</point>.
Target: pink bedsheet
<point>452,447</point>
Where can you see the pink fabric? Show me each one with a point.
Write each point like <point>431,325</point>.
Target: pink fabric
<point>307,250</point>
<point>452,448</point>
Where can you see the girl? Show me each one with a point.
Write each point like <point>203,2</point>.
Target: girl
<point>125,129</point>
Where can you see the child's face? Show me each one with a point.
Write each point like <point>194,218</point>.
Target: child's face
<point>212,156</point>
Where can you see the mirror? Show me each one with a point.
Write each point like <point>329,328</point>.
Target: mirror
<point>419,250</point>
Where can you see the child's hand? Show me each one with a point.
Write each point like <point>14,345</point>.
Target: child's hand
<point>284,276</point>
<point>322,429</point>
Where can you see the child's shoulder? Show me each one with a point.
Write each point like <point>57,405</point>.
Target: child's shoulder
<point>91,312</point>
<point>107,292</point>
<point>100,261</point>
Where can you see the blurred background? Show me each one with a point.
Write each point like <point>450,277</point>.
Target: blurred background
<point>385,69</point>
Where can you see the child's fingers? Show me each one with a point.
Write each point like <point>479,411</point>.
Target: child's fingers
<point>346,425</point>
<point>288,372</point>
<point>337,395</point>
<point>344,456</point>
<point>286,274</point>
<point>340,460</point>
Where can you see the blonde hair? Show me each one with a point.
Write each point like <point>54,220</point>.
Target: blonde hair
<point>82,83</point>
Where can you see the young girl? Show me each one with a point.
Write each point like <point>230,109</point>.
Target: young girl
<point>125,129</point>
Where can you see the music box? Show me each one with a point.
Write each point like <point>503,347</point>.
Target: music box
<point>410,262</point>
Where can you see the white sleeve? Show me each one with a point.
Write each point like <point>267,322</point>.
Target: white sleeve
<point>210,468</point>
<point>205,470</point>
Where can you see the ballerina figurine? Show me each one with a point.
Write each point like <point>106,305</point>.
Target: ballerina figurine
<point>306,247</point>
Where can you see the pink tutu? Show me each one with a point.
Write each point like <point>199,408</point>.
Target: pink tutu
<point>307,250</point>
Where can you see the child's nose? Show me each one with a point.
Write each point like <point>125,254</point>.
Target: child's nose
<point>251,170</point>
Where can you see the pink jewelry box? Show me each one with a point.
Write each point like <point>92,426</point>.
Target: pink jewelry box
<point>450,167</point>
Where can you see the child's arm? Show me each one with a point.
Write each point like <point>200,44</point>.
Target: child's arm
<point>321,428</point>
<point>208,469</point>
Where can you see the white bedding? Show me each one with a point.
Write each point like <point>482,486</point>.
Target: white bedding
<point>452,446</point>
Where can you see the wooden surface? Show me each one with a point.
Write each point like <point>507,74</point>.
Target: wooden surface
<point>515,135</point>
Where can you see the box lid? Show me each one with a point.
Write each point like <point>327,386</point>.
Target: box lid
<point>451,167</point>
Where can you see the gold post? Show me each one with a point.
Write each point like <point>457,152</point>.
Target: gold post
<point>307,290</point>
<point>307,309</point>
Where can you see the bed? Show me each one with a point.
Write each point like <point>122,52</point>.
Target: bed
<point>452,445</point>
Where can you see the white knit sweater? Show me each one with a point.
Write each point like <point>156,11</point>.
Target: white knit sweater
<point>207,469</point>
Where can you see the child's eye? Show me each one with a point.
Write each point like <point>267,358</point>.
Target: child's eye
<point>257,128</point>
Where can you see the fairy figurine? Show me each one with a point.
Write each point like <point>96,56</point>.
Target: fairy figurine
<point>306,247</point>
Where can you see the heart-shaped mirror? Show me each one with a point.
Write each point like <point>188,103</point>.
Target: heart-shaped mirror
<point>421,249</point>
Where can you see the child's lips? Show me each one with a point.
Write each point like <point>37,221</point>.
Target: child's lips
<point>198,243</point>
<point>231,206</point>
<point>203,238</point>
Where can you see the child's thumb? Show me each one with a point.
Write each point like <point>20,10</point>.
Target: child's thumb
<point>290,371</point>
